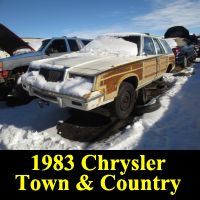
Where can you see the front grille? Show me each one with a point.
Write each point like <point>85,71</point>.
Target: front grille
<point>52,75</point>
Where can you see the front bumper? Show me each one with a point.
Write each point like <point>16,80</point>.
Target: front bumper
<point>94,99</point>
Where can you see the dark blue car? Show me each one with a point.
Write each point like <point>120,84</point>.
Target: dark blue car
<point>184,51</point>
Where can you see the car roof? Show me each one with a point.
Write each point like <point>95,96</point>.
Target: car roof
<point>62,37</point>
<point>126,34</point>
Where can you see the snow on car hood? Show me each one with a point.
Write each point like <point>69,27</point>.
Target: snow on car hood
<point>85,63</point>
<point>76,87</point>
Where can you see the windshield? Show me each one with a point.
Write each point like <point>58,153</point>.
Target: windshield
<point>44,44</point>
<point>105,45</point>
<point>135,39</point>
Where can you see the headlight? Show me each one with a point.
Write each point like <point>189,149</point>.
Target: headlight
<point>88,78</point>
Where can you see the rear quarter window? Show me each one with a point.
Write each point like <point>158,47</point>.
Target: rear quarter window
<point>166,46</point>
<point>159,48</point>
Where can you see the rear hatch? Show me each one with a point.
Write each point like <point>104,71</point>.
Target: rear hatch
<point>10,42</point>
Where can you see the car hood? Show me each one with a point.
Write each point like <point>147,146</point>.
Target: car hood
<point>21,56</point>
<point>10,42</point>
<point>90,64</point>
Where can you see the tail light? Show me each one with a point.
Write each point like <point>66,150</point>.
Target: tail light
<point>176,51</point>
<point>3,74</point>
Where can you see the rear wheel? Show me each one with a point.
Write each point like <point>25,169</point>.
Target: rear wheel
<point>124,104</point>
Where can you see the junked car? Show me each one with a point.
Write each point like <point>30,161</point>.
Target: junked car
<point>109,70</point>
<point>13,67</point>
<point>184,51</point>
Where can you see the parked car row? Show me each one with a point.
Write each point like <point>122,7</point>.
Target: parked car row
<point>84,74</point>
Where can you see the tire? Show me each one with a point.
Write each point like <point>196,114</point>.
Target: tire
<point>140,110</point>
<point>142,97</point>
<point>124,103</point>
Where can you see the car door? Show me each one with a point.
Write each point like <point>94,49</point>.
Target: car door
<point>162,59</point>
<point>150,60</point>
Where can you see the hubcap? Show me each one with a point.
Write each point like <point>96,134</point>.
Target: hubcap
<point>125,101</point>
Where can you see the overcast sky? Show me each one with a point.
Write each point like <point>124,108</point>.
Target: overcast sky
<point>87,18</point>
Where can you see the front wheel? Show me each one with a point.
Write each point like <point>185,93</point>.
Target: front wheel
<point>124,103</point>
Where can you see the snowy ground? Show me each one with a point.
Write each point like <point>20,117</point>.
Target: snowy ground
<point>176,125</point>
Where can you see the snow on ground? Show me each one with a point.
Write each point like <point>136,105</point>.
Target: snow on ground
<point>176,125</point>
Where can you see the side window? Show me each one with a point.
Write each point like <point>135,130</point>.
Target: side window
<point>159,48</point>
<point>149,48</point>
<point>57,46</point>
<point>73,45</point>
